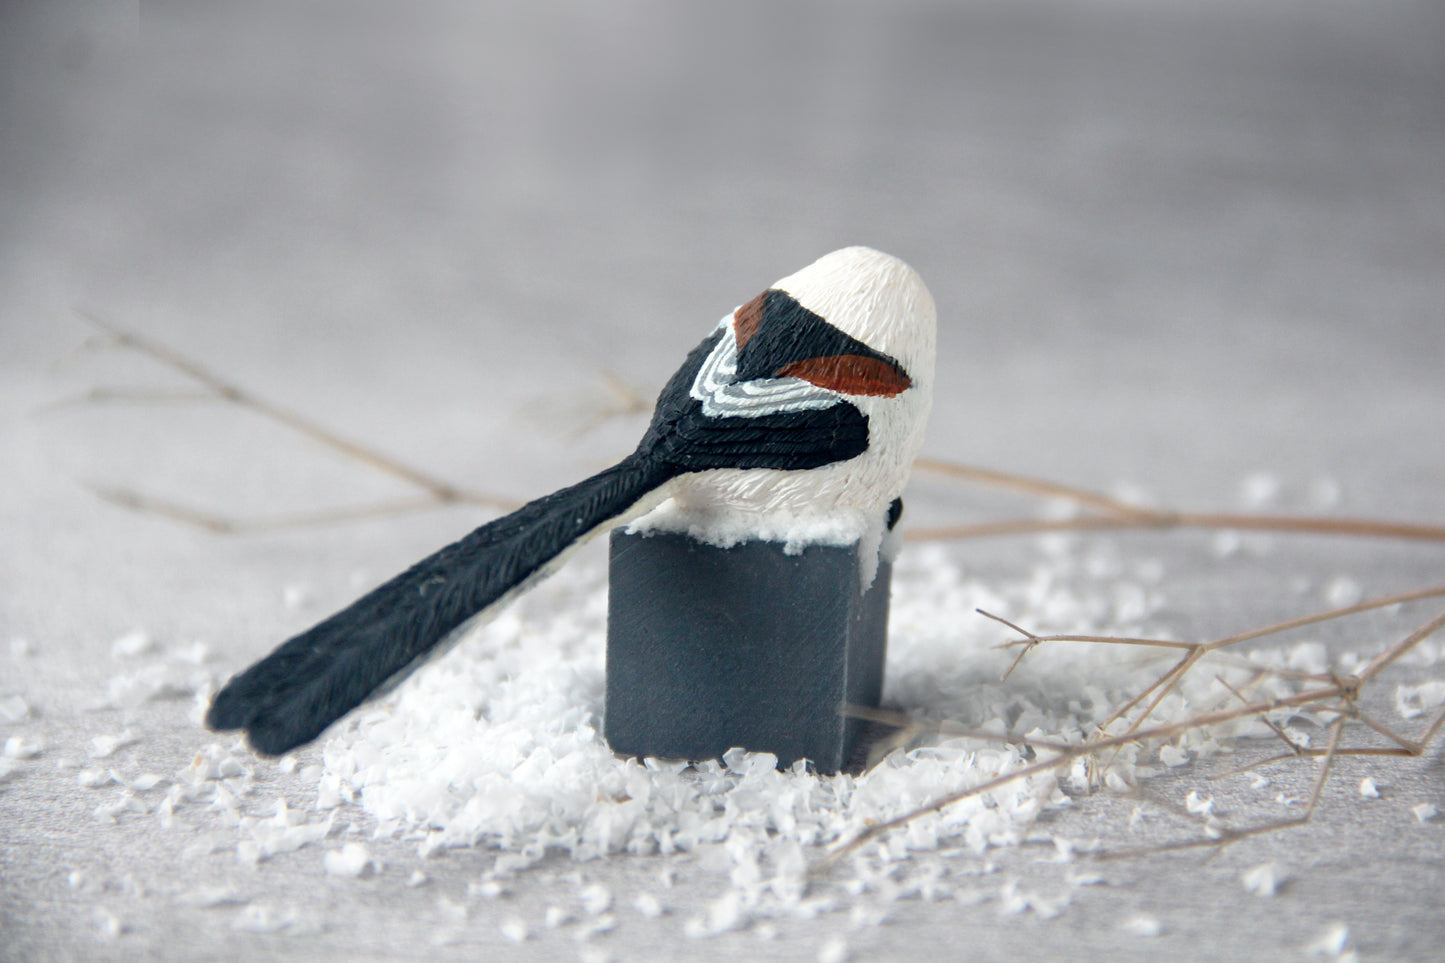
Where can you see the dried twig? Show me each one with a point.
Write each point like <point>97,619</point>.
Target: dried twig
<point>227,525</point>
<point>1168,520</point>
<point>1338,696</point>
<point>1031,486</point>
<point>215,387</point>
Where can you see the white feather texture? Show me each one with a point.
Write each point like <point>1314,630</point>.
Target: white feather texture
<point>882,302</point>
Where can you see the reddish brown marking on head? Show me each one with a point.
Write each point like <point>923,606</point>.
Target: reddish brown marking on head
<point>746,320</point>
<point>850,374</point>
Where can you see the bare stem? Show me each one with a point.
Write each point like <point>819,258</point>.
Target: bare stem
<point>1167,521</point>
<point>440,491</point>
<point>1032,486</point>
<point>226,525</point>
<point>1409,642</point>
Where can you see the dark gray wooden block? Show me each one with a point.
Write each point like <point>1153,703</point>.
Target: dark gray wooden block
<point>711,648</point>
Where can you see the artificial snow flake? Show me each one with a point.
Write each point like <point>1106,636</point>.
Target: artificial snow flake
<point>1142,925</point>
<point>132,644</point>
<point>103,747</point>
<point>1265,879</point>
<point>596,899</point>
<point>264,918</point>
<point>1172,755</point>
<point>648,905</point>
<point>1415,700</point>
<point>451,910</point>
<point>515,929</point>
<point>351,860</point>
<point>1343,591</point>
<point>720,915</point>
<point>124,803</point>
<point>487,889</point>
<point>295,597</point>
<point>1331,942</point>
<point>1226,543</point>
<point>591,927</point>
<point>18,747</point>
<point>208,897</point>
<point>108,923</point>
<point>1260,489</point>
<point>93,778</point>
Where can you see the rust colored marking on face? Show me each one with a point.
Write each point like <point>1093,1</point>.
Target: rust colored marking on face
<point>747,318</point>
<point>850,374</point>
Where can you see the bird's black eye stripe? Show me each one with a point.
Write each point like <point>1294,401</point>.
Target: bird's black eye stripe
<point>783,332</point>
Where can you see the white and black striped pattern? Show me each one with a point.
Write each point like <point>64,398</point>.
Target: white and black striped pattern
<point>723,395</point>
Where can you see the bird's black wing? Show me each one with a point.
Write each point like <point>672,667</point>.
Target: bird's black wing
<point>687,439</point>
<point>794,440</point>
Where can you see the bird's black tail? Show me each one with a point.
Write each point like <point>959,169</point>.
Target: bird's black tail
<point>291,696</point>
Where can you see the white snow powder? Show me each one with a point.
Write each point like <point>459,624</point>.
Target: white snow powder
<point>351,860</point>
<point>499,746</point>
<point>1265,879</point>
<point>1142,926</point>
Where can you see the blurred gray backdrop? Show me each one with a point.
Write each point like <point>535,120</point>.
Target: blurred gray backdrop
<point>1172,243</point>
<point>1230,212</point>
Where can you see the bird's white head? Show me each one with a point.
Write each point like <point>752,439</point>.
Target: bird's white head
<point>882,302</point>
<point>875,298</point>
<point>856,326</point>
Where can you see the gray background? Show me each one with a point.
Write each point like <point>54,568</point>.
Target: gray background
<point>1171,244</point>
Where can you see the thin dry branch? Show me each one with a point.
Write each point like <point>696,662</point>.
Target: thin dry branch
<point>216,387</point>
<point>1379,662</point>
<point>1119,514</point>
<point>227,525</point>
<point>1197,650</point>
<point>1294,747</point>
<point>947,727</point>
<point>1339,696</point>
<point>1032,486</point>
<point>1085,749</point>
<point>1223,837</point>
<point>113,395</point>
<point>1157,520</point>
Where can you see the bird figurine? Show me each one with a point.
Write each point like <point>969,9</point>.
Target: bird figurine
<point>796,420</point>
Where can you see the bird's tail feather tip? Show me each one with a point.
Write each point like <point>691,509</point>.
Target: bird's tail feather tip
<point>224,715</point>
<point>267,735</point>
<point>272,741</point>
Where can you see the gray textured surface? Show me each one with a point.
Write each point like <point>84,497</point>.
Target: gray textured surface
<point>1171,244</point>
